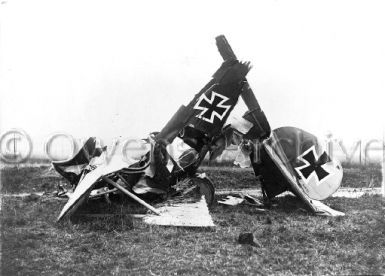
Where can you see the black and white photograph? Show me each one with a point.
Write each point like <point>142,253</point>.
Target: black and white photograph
<point>192,137</point>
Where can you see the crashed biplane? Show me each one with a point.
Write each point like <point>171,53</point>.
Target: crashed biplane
<point>285,159</point>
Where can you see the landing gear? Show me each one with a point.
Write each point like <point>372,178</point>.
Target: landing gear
<point>205,187</point>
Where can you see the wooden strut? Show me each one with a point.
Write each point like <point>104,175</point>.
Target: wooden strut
<point>134,197</point>
<point>103,193</point>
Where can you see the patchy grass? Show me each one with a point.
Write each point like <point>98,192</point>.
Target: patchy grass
<point>362,176</point>
<point>29,179</point>
<point>289,240</point>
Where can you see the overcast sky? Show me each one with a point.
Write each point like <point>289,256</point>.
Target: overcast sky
<point>122,68</point>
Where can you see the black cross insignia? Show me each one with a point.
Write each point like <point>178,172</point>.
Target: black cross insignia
<point>314,165</point>
<point>212,107</point>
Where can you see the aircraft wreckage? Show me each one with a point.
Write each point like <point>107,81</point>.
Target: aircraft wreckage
<point>283,159</point>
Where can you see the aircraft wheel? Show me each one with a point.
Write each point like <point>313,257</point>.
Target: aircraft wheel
<point>205,187</point>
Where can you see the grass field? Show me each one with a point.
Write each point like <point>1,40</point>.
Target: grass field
<point>288,239</point>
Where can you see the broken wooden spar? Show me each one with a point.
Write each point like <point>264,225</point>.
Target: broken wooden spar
<point>134,197</point>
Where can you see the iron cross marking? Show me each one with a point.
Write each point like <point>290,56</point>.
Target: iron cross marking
<point>212,107</point>
<point>314,165</point>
